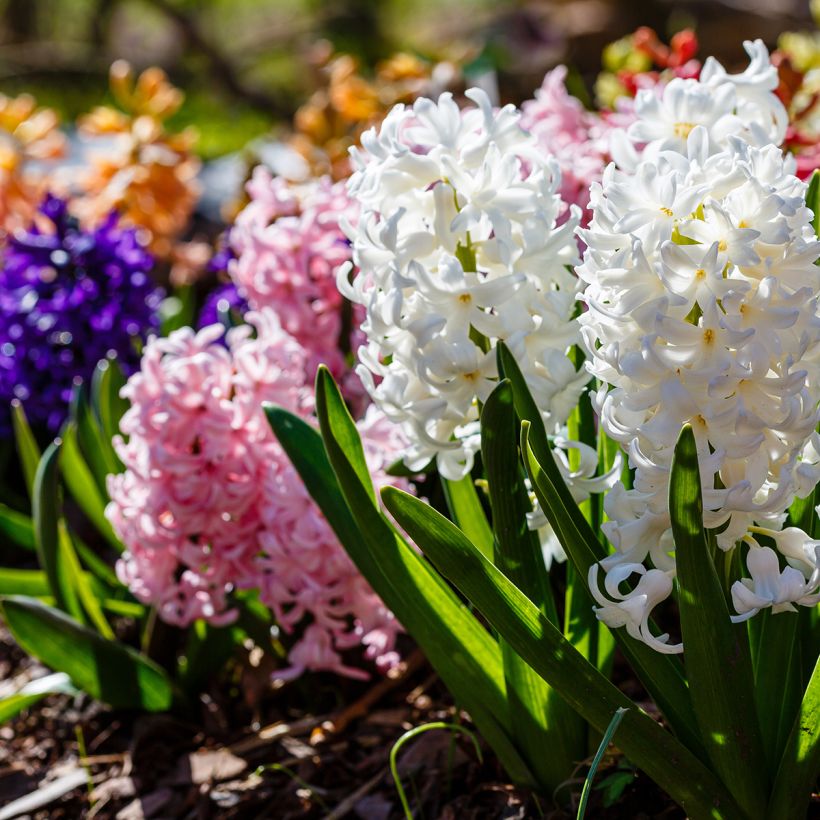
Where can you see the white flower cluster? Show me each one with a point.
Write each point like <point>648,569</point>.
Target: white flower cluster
<point>702,298</point>
<point>725,105</point>
<point>458,246</point>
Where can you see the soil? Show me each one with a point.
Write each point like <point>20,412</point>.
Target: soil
<point>315,748</point>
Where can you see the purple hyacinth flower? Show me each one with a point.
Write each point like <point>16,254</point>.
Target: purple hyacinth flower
<point>68,298</point>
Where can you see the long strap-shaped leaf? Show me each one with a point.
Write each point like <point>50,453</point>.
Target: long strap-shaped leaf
<point>27,449</point>
<point>660,674</point>
<point>540,717</point>
<point>108,407</point>
<point>95,450</point>
<point>83,486</point>
<point>519,621</point>
<point>528,411</point>
<point>717,658</point>
<point>466,510</point>
<point>466,656</point>
<point>105,669</point>
<point>800,765</point>
<point>778,684</point>
<point>51,553</point>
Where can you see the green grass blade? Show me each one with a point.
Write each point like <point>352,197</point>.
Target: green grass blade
<point>17,527</point>
<point>800,764</point>
<point>662,675</point>
<point>718,664</point>
<point>540,644</point>
<point>107,670</point>
<point>540,717</point>
<point>596,761</point>
<point>27,448</point>
<point>406,738</point>
<point>466,656</point>
<point>466,510</point>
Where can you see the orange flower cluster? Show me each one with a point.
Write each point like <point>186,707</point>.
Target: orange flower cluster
<point>149,174</point>
<point>28,134</point>
<point>348,104</point>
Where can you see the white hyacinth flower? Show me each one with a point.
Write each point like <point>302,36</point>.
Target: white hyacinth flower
<point>702,296</point>
<point>458,246</point>
<point>772,587</point>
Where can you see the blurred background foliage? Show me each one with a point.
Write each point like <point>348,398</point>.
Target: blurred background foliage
<point>246,65</point>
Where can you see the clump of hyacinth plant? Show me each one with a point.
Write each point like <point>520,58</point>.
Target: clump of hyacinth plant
<point>69,296</point>
<point>701,330</point>
<point>702,308</point>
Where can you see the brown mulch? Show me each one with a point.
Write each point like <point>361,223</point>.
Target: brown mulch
<point>315,748</point>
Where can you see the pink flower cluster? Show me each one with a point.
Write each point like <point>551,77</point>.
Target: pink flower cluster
<point>209,501</point>
<point>288,247</point>
<point>577,138</point>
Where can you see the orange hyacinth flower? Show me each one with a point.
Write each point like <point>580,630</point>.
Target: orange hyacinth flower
<point>347,104</point>
<point>150,173</point>
<point>27,134</point>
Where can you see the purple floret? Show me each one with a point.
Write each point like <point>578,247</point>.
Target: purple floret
<point>68,298</point>
<point>225,299</point>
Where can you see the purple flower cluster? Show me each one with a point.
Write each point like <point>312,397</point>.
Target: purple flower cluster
<point>224,300</point>
<point>68,298</point>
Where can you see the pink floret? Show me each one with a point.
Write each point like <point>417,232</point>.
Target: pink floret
<point>577,138</point>
<point>289,246</point>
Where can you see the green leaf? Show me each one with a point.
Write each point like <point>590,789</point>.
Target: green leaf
<point>27,448</point>
<point>98,566</point>
<point>335,418</point>
<point>207,650</point>
<point>33,692</point>
<point>108,406</point>
<point>58,558</point>
<point>778,686</point>
<point>82,583</point>
<point>177,310</point>
<point>528,412</point>
<point>813,201</point>
<point>660,674</point>
<point>465,655</point>
<point>95,450</point>
<point>107,670</point>
<point>128,609</point>
<point>540,717</point>
<point>718,664</point>
<point>466,510</point>
<point>83,487</point>
<point>540,644</point>
<point>800,765</point>
<point>53,558</point>
<point>17,527</point>
<point>31,582</point>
